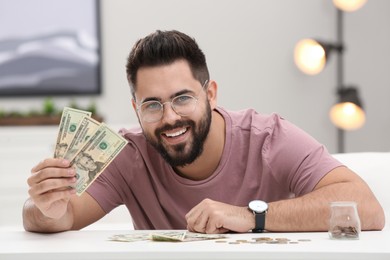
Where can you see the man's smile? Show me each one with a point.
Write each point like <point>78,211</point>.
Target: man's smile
<point>176,135</point>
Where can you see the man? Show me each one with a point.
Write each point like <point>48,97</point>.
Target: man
<point>198,166</point>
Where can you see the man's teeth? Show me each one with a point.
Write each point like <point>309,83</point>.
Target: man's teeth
<point>176,133</point>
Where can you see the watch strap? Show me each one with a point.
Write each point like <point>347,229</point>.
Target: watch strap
<point>259,222</point>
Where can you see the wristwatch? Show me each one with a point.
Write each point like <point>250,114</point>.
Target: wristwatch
<point>259,209</point>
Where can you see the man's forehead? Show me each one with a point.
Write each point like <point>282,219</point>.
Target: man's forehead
<point>165,90</point>
<point>164,74</point>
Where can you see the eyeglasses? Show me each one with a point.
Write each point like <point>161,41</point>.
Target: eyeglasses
<point>153,110</point>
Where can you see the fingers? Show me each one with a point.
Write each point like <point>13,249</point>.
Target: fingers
<point>50,162</point>
<point>49,185</point>
<point>51,175</point>
<point>196,221</point>
<point>216,217</point>
<point>50,169</point>
<point>206,217</point>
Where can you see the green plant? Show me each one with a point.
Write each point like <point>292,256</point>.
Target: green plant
<point>49,107</point>
<point>92,108</point>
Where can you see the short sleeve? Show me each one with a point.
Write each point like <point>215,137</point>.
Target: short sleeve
<point>296,160</point>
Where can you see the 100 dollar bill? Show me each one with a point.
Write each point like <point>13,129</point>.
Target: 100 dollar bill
<point>70,120</point>
<point>96,154</point>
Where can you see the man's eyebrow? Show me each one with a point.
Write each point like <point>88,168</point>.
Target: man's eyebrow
<point>181,92</point>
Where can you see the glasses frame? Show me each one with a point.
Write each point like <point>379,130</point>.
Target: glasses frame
<point>162,105</point>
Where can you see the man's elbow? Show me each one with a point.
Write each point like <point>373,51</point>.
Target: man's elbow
<point>374,218</point>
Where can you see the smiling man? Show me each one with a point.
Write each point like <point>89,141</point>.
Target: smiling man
<point>194,165</point>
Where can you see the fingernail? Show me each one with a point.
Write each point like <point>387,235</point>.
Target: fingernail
<point>65,162</point>
<point>71,172</point>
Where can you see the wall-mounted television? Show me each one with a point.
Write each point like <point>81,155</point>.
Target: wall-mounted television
<point>49,47</point>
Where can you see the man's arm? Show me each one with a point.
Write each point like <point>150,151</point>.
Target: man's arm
<point>52,206</point>
<point>311,212</point>
<point>306,213</point>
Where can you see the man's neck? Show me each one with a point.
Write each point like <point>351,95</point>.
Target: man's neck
<point>205,165</point>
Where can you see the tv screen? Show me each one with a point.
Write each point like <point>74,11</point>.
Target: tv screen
<point>49,47</point>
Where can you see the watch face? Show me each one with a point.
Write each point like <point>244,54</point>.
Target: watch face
<point>258,206</point>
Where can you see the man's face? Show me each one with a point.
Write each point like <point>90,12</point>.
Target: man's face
<point>179,139</point>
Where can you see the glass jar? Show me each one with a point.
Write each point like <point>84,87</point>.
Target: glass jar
<point>344,222</point>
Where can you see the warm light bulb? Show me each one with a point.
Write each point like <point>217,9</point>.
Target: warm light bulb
<point>349,5</point>
<point>347,116</point>
<point>309,56</point>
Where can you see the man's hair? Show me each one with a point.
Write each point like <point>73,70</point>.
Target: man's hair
<point>164,48</point>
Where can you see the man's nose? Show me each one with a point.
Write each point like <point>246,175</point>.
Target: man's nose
<point>169,114</point>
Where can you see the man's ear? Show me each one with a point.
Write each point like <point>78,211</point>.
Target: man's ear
<point>212,93</point>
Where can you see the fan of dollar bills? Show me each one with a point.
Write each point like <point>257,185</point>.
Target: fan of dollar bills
<point>90,146</point>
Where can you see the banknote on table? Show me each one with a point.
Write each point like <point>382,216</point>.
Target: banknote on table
<point>165,236</point>
<point>95,155</point>
<point>169,236</point>
<point>85,130</point>
<point>70,119</point>
<point>191,236</point>
<point>130,237</point>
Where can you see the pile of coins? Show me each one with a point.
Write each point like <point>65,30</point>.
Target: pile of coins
<point>344,232</point>
<point>263,240</point>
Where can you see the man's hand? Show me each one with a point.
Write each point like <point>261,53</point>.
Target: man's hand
<point>50,183</point>
<point>216,217</point>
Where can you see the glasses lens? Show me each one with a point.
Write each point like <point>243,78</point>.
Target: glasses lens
<point>184,104</point>
<point>151,111</point>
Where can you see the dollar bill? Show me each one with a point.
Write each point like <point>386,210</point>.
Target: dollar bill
<point>192,236</point>
<point>86,128</point>
<point>96,154</point>
<point>70,120</point>
<point>130,237</point>
<point>172,236</point>
<point>165,236</point>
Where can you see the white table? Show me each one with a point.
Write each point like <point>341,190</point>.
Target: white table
<point>94,244</point>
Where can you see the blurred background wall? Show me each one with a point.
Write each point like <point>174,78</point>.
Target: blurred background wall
<point>249,48</point>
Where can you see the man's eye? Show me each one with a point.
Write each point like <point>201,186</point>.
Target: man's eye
<point>151,106</point>
<point>182,99</point>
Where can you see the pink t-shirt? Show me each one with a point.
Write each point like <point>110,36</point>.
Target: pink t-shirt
<point>265,157</point>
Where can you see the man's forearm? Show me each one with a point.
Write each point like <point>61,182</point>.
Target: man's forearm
<point>35,221</point>
<point>311,212</point>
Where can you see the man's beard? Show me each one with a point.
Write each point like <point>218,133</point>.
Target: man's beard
<point>181,157</point>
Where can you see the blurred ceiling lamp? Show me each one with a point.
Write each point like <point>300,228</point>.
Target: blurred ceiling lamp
<point>311,55</point>
<point>348,114</point>
<point>349,5</point>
